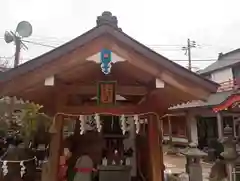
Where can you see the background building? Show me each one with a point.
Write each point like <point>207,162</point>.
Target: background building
<point>205,124</point>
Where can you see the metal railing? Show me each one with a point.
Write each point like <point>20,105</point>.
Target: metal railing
<point>229,85</point>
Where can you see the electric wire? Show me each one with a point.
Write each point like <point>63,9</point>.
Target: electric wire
<point>174,47</point>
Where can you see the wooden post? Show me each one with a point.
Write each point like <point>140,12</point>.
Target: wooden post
<point>188,126</point>
<point>219,125</point>
<point>55,149</point>
<point>56,139</point>
<point>155,149</point>
<point>170,131</point>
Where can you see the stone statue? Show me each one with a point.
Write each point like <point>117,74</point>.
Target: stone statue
<point>83,168</point>
<point>218,171</point>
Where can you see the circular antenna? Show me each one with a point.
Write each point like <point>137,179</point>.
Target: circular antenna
<point>8,37</point>
<point>24,29</point>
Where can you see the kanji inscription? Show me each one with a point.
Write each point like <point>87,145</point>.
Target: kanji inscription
<point>106,94</point>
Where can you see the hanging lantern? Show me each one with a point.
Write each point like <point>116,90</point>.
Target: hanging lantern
<point>137,123</point>
<point>123,124</point>
<point>36,160</point>
<point>98,122</point>
<point>82,124</point>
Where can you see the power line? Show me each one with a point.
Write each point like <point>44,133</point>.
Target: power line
<point>192,45</point>
<point>175,60</point>
<point>41,44</point>
<point>159,47</point>
<point>51,46</point>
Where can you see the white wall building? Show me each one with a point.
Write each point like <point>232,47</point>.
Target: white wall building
<point>207,123</point>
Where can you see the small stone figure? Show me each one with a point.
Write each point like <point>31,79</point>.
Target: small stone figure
<point>84,168</point>
<point>115,158</point>
<point>218,171</point>
<point>62,169</point>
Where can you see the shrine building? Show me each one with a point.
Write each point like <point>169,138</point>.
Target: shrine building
<point>109,92</point>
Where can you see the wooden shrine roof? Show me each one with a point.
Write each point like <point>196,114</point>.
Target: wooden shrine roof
<point>105,35</point>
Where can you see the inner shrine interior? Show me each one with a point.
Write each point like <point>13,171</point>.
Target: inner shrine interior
<point>106,139</point>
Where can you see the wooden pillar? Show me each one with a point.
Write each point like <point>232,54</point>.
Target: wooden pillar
<point>188,126</point>
<point>56,139</point>
<point>155,149</point>
<point>220,125</point>
<point>192,131</point>
<point>170,130</point>
<point>55,149</point>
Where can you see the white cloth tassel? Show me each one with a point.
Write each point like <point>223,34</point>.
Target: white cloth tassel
<point>137,123</point>
<point>98,123</point>
<point>36,161</point>
<point>82,124</point>
<point>5,168</point>
<point>23,169</point>
<point>123,124</point>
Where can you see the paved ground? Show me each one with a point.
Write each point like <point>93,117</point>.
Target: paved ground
<point>176,164</point>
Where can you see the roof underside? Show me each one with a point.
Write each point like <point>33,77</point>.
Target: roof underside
<point>119,36</point>
<point>68,63</point>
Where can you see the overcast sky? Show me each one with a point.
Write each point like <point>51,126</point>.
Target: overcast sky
<point>164,25</point>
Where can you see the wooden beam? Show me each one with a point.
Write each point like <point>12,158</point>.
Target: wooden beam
<point>92,90</point>
<point>105,110</point>
<point>148,95</point>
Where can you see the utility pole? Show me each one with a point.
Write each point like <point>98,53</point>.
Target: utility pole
<point>17,41</point>
<point>23,30</point>
<point>190,45</point>
<point>17,50</point>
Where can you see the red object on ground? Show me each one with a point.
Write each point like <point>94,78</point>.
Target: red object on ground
<point>62,172</point>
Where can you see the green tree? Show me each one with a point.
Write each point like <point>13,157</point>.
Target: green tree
<point>31,121</point>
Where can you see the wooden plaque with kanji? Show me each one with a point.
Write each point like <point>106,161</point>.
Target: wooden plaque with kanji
<point>106,93</point>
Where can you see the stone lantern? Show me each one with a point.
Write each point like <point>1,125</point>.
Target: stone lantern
<point>229,143</point>
<point>194,168</point>
<point>230,153</point>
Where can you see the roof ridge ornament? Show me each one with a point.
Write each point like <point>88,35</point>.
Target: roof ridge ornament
<point>107,18</point>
